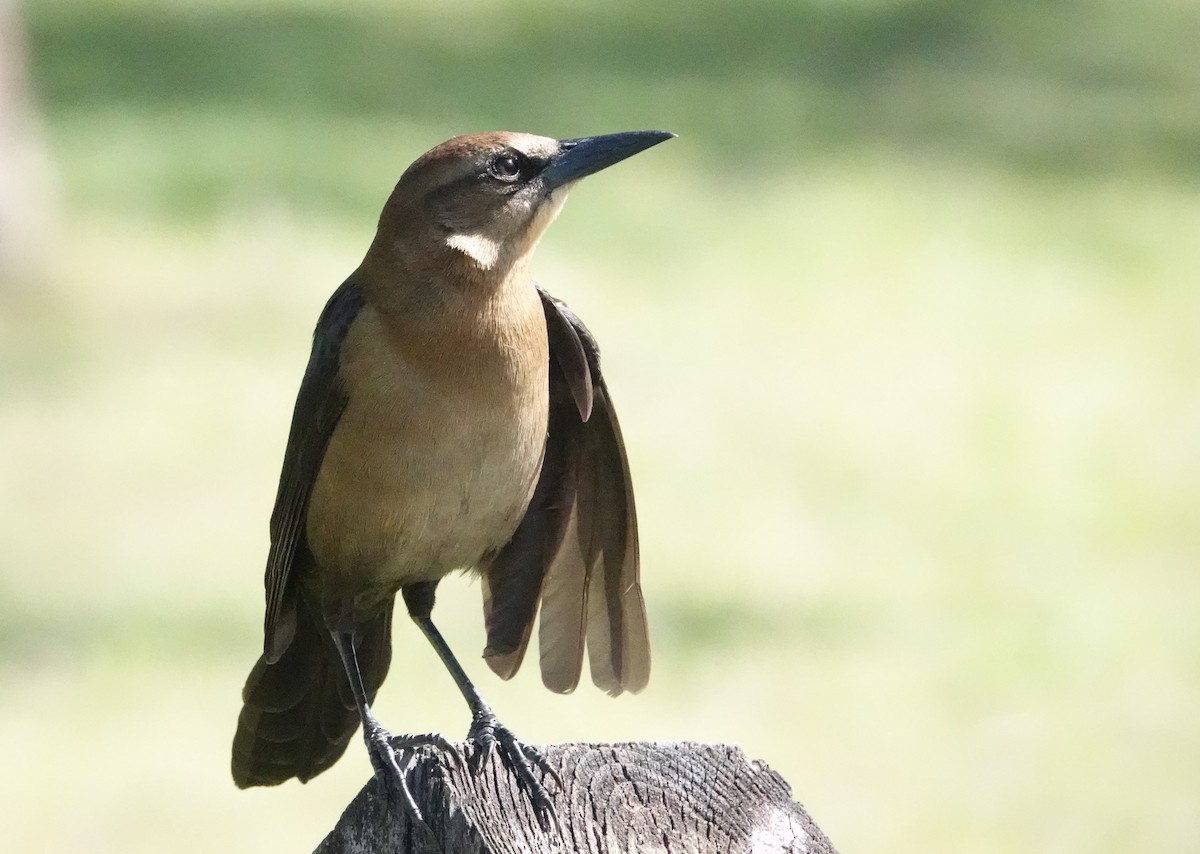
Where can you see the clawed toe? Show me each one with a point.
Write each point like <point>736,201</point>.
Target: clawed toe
<point>411,742</point>
<point>489,734</point>
<point>536,757</point>
<point>391,757</point>
<point>392,771</point>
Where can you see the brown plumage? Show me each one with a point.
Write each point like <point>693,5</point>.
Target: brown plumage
<point>452,416</point>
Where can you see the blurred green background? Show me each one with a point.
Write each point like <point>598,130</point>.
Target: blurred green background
<point>904,331</point>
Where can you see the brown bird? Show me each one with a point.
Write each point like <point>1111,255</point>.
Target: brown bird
<point>452,416</point>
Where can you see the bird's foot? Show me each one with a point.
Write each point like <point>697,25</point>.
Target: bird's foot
<point>407,744</point>
<point>392,756</point>
<point>489,734</point>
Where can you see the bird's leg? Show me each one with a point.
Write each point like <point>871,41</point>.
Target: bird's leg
<point>486,730</point>
<point>381,744</point>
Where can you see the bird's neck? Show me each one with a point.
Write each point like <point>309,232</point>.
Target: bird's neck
<point>454,306</point>
<point>438,288</point>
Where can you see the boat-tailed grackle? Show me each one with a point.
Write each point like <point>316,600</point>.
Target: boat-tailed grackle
<point>452,416</point>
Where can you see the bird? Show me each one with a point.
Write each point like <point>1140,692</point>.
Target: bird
<point>452,417</point>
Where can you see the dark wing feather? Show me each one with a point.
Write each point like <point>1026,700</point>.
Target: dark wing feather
<point>606,527</point>
<point>617,640</point>
<point>318,407</point>
<point>576,548</point>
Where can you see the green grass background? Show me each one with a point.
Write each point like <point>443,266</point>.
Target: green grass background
<point>904,331</point>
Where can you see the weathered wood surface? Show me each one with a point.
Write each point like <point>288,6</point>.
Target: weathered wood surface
<point>639,797</point>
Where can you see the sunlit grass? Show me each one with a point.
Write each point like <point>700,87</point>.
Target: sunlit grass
<point>916,439</point>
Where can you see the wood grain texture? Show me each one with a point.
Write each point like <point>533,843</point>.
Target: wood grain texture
<point>636,797</point>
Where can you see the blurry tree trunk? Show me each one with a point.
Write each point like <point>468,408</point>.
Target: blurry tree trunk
<point>25,193</point>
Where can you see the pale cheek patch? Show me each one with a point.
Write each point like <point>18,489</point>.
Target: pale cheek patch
<point>484,250</point>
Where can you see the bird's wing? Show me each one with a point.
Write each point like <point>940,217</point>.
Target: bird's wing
<point>318,407</point>
<point>577,546</point>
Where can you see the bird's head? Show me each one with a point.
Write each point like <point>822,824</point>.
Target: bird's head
<point>484,200</point>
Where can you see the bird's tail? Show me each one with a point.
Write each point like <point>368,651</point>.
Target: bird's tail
<point>299,713</point>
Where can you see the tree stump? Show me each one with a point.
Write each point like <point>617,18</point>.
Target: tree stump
<point>637,797</point>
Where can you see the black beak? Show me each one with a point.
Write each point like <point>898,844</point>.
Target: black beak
<point>578,158</point>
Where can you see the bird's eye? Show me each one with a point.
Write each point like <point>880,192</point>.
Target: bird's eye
<point>505,166</point>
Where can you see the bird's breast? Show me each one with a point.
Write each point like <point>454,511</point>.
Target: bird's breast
<point>435,458</point>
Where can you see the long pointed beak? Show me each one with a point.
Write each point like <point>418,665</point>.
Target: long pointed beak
<point>578,158</point>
